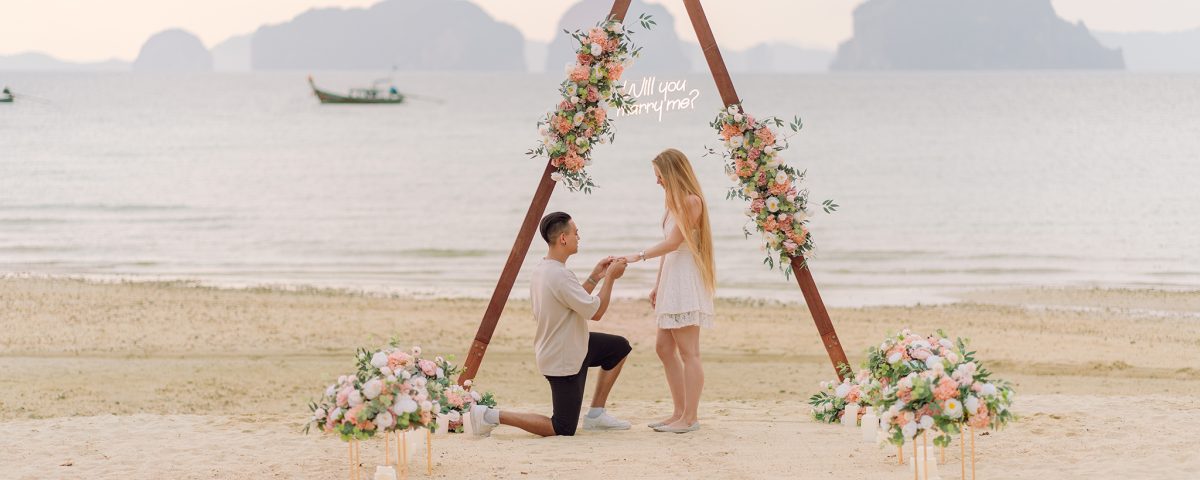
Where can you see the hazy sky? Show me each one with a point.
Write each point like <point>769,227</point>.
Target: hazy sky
<point>90,30</point>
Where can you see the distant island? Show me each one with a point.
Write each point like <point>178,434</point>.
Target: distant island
<point>173,50</point>
<point>969,35</point>
<point>40,62</point>
<point>662,52</point>
<point>408,35</point>
<point>1157,51</point>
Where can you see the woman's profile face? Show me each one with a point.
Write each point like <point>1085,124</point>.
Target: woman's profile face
<point>658,178</point>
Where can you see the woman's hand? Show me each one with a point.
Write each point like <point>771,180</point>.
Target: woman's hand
<point>632,258</point>
<point>654,298</point>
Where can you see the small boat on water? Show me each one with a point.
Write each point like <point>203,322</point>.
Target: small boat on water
<point>6,96</point>
<point>358,95</point>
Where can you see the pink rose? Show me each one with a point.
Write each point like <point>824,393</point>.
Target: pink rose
<point>758,205</point>
<point>428,367</point>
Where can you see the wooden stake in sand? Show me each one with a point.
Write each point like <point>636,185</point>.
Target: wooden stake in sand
<point>350,449</point>
<point>900,454</point>
<point>962,457</point>
<point>404,462</point>
<point>972,453</point>
<point>387,448</point>
<point>925,453</point>
<point>428,452</point>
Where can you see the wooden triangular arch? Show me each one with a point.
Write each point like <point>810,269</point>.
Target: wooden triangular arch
<point>546,187</point>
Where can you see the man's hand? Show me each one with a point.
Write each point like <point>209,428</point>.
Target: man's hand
<point>601,267</point>
<point>615,269</point>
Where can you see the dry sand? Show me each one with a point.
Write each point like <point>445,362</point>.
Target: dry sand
<point>154,380</point>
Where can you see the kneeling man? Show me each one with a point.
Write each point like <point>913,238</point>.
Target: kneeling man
<point>564,347</point>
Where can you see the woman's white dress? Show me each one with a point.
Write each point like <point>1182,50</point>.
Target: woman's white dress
<point>683,300</point>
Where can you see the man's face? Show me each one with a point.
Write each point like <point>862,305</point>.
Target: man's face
<point>570,238</point>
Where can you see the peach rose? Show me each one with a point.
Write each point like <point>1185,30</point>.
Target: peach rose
<point>579,74</point>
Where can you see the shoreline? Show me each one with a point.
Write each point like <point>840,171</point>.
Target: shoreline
<point>1080,297</point>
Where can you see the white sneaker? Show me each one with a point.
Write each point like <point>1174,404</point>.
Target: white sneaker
<point>604,422</point>
<point>480,427</point>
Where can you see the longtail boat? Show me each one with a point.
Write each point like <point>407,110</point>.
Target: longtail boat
<point>6,96</point>
<point>358,95</point>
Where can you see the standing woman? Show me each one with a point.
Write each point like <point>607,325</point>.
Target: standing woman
<point>683,294</point>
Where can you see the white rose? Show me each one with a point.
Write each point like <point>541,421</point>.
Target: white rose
<point>578,118</point>
<point>336,414</point>
<point>909,430</point>
<point>426,405</point>
<point>468,383</point>
<point>355,398</point>
<point>454,416</point>
<point>893,358</point>
<point>391,378</point>
<point>405,375</point>
<point>732,109</point>
<point>440,372</point>
<point>737,117</point>
<point>329,392</point>
<point>932,360</point>
<point>737,141</point>
<point>926,422</point>
<point>842,390</point>
<point>384,420</point>
<point>405,404</point>
<point>972,404</point>
<point>988,389</point>
<point>575,99</point>
<point>476,396</point>
<point>319,413</point>
<point>773,204</point>
<point>379,360</point>
<point>781,177</point>
<point>945,342</point>
<point>558,177</point>
<point>416,351</point>
<point>372,389</point>
<point>385,371</point>
<point>596,50</point>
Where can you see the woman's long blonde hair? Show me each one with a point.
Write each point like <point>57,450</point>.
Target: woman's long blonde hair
<point>679,181</point>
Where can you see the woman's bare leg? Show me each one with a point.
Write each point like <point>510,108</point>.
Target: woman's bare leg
<point>687,339</point>
<point>673,368</point>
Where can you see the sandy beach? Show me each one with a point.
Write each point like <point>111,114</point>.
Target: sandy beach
<point>172,380</point>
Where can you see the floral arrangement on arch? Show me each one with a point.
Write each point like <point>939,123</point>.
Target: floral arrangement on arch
<point>393,389</point>
<point>778,206</point>
<point>580,120</point>
<point>931,383</point>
